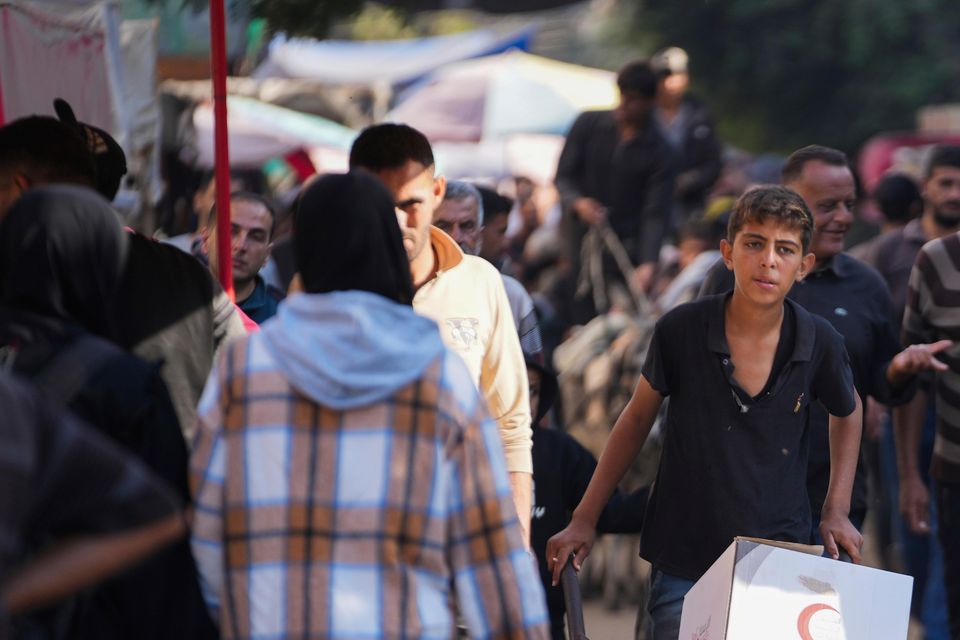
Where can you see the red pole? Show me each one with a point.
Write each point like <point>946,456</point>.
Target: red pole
<point>3,15</point>
<point>218,71</point>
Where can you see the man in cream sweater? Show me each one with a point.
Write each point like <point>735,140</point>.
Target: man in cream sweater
<point>463,294</point>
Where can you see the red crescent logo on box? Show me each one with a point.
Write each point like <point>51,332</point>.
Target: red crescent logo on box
<point>803,621</point>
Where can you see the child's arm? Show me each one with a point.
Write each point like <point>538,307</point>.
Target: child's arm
<point>835,526</point>
<point>626,439</point>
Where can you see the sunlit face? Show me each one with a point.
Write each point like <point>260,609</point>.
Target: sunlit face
<point>250,224</point>
<point>766,259</point>
<point>250,241</point>
<point>674,85</point>
<point>941,193</point>
<point>830,193</point>
<point>416,193</point>
<point>459,220</point>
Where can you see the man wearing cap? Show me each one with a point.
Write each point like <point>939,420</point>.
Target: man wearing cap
<point>170,309</point>
<point>688,126</point>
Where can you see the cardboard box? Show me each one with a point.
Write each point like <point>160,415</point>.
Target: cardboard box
<point>765,590</point>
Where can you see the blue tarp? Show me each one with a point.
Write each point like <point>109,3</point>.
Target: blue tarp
<point>390,62</point>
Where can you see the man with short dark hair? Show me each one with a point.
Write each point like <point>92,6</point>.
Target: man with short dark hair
<point>932,313</point>
<point>616,168</point>
<point>252,219</point>
<point>496,217</point>
<point>915,424</point>
<point>462,293</point>
<point>41,150</point>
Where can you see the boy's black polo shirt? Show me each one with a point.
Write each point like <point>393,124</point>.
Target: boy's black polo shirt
<point>725,472</point>
<point>853,298</point>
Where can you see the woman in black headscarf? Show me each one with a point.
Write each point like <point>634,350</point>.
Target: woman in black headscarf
<point>346,237</point>
<point>62,256</point>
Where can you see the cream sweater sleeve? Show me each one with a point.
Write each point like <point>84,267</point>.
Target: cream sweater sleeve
<point>503,382</point>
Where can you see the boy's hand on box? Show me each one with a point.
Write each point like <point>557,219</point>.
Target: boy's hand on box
<point>577,539</point>
<point>837,531</point>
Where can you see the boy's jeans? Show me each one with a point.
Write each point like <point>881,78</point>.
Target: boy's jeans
<point>665,604</point>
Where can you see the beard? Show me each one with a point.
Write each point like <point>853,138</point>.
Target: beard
<point>947,218</point>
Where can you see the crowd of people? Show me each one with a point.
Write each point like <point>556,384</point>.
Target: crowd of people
<point>371,439</point>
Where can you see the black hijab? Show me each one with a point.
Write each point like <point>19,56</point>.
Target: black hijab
<point>62,254</point>
<point>346,237</point>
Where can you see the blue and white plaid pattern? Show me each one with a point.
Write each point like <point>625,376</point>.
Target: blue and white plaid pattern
<point>369,523</point>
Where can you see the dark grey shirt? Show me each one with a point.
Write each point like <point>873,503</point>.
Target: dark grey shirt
<point>632,178</point>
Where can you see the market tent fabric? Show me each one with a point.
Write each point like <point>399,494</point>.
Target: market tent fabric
<point>64,51</point>
<point>533,156</point>
<point>388,62</point>
<point>509,93</point>
<point>260,131</point>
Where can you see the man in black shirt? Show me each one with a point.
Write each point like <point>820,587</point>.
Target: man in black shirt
<point>852,297</point>
<point>617,168</point>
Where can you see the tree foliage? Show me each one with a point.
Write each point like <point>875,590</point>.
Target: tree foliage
<point>784,73</point>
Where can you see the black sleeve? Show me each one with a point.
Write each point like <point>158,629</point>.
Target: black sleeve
<point>622,514</point>
<point>657,205</point>
<point>833,379</point>
<point>709,156</point>
<point>719,280</point>
<point>888,346</point>
<point>570,165</point>
<point>654,365</point>
<point>87,484</point>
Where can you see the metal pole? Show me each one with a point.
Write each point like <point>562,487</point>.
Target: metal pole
<point>218,72</point>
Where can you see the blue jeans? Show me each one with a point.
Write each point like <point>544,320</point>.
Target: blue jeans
<point>948,509</point>
<point>665,604</point>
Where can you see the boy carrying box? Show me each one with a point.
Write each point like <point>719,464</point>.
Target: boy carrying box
<point>741,370</point>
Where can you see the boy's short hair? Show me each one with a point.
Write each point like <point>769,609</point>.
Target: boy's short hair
<point>943,155</point>
<point>772,202</point>
<point>796,161</point>
<point>390,146</point>
<point>638,77</point>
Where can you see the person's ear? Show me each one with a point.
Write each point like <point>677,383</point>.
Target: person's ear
<point>23,182</point>
<point>439,188</point>
<point>806,265</point>
<point>726,250</point>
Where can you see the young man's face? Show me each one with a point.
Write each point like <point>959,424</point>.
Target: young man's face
<point>830,193</point>
<point>494,237</point>
<point>941,194</point>
<point>459,220</point>
<point>250,224</point>
<point>416,193</point>
<point>250,230</point>
<point>766,259</point>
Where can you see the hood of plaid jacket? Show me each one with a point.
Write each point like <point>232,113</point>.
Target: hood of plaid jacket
<point>349,349</point>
